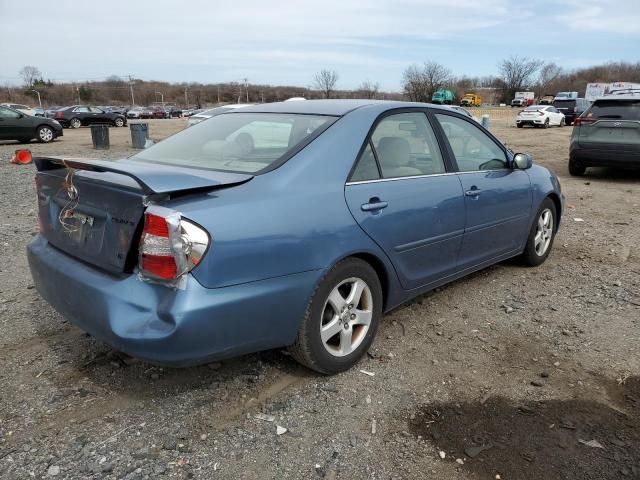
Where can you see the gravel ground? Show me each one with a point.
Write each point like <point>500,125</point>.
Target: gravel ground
<point>518,372</point>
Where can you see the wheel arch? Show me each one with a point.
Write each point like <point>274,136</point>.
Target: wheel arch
<point>558,204</point>
<point>381,271</point>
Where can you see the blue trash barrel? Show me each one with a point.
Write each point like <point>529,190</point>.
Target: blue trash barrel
<point>100,137</point>
<point>485,120</point>
<point>139,134</point>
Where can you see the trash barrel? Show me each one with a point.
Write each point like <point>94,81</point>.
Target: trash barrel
<point>485,120</point>
<point>139,134</point>
<point>100,137</point>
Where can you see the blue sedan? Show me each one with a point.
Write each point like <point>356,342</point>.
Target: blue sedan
<point>291,224</point>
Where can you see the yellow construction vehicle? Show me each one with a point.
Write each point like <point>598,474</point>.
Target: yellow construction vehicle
<point>470,99</point>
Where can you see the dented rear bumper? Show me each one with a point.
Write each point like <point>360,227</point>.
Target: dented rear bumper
<point>170,326</point>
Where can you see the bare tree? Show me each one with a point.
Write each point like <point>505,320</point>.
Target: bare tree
<point>419,84</point>
<point>414,85</point>
<point>516,73</point>
<point>368,89</point>
<point>549,73</point>
<point>29,75</point>
<point>436,76</point>
<point>325,81</point>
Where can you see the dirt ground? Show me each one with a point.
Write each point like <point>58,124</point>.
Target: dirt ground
<point>511,373</point>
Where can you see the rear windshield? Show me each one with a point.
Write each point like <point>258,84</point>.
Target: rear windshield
<point>564,103</point>
<point>618,109</point>
<point>535,108</point>
<point>236,142</point>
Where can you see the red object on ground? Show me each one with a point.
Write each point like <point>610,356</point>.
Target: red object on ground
<point>21,157</point>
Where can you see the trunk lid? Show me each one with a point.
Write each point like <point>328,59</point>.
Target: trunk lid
<point>93,209</point>
<point>607,132</point>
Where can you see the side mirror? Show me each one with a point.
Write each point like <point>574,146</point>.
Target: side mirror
<point>522,161</point>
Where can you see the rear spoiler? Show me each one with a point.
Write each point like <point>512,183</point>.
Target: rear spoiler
<point>153,178</point>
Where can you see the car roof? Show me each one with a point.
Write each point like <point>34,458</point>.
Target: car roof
<point>337,107</point>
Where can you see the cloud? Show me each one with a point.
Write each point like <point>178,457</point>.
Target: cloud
<point>588,16</point>
<point>287,41</point>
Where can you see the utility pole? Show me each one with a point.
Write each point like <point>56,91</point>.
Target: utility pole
<point>186,98</point>
<point>218,93</point>
<point>78,91</point>
<point>246,87</point>
<point>131,84</point>
<point>39,101</point>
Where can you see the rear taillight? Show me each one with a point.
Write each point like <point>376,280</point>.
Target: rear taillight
<point>541,114</point>
<point>170,246</point>
<point>58,114</point>
<point>584,121</point>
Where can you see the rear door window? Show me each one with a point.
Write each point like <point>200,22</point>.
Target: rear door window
<point>406,146</point>
<point>10,114</point>
<point>615,109</point>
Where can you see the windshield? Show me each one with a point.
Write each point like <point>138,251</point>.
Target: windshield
<point>236,142</point>
<point>621,109</point>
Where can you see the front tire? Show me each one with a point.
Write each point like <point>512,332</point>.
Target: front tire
<point>45,134</point>
<point>541,235</point>
<point>118,122</point>
<point>341,319</point>
<point>562,123</point>
<point>75,123</point>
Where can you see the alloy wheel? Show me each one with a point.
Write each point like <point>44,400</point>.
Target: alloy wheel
<point>346,317</point>
<point>544,232</point>
<point>45,134</point>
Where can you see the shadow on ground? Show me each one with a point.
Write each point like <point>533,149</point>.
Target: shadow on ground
<point>555,439</point>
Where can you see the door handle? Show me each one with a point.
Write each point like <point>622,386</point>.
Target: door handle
<point>374,205</point>
<point>474,192</point>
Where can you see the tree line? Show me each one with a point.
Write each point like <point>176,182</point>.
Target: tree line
<point>514,74</point>
<point>419,82</point>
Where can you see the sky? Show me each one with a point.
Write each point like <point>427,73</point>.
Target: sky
<point>286,41</point>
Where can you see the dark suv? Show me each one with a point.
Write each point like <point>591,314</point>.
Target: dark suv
<point>607,134</point>
<point>571,107</point>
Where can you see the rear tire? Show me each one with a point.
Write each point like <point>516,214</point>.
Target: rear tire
<point>75,123</point>
<point>519,125</point>
<point>576,168</point>
<point>546,123</point>
<point>341,319</point>
<point>541,235</point>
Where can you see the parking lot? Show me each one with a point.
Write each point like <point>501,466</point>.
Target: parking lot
<point>519,372</point>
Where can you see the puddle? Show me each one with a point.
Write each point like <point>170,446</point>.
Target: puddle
<point>542,439</point>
